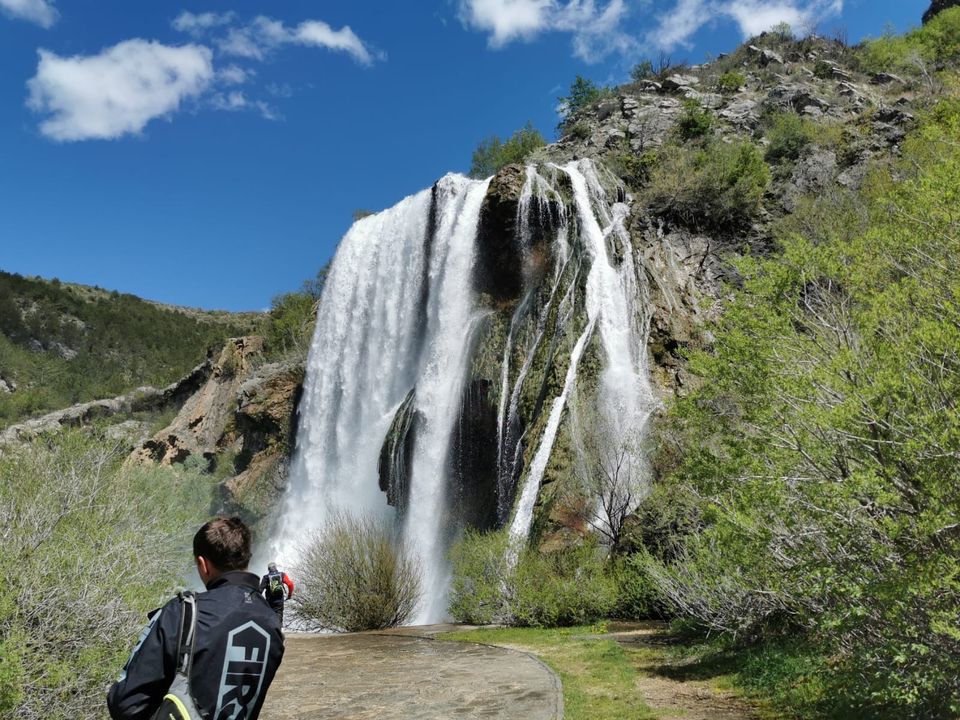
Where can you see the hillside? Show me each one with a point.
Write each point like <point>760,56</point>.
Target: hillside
<point>62,344</point>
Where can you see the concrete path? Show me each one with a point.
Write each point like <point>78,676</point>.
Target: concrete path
<point>406,675</point>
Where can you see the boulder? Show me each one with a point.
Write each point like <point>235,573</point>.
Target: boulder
<point>765,56</point>
<point>498,272</point>
<point>887,79</point>
<point>676,83</point>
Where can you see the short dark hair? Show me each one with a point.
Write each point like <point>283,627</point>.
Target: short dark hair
<point>225,542</point>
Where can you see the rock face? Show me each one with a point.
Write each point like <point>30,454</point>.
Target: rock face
<point>140,400</point>
<point>938,6</point>
<point>241,414</point>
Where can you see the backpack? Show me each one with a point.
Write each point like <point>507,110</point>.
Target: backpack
<point>275,586</point>
<point>178,703</point>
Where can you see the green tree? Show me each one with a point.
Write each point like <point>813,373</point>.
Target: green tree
<point>583,93</point>
<point>492,154</point>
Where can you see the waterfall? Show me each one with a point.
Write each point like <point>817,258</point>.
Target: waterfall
<point>626,397</point>
<point>390,383</point>
<point>392,318</point>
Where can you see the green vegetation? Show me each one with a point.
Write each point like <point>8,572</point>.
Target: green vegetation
<point>288,327</point>
<point>583,94</point>
<point>918,51</point>
<point>789,135</point>
<point>353,576</point>
<point>62,344</point>
<point>567,587</point>
<point>695,122</point>
<point>817,459</point>
<point>731,82</point>
<point>492,154</point>
<point>89,547</point>
<point>598,675</point>
<point>720,186</point>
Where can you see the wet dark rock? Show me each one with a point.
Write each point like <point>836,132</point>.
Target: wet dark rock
<point>473,457</point>
<point>396,453</point>
<point>498,272</point>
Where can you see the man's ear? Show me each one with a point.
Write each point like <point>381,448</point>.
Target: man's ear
<point>204,569</point>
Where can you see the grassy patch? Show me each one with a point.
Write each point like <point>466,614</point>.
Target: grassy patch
<point>598,675</point>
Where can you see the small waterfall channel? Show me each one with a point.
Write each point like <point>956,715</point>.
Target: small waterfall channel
<point>392,365</point>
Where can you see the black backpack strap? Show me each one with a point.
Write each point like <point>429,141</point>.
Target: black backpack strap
<point>187,633</point>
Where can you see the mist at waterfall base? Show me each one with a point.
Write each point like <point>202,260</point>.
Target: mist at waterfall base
<point>395,337</point>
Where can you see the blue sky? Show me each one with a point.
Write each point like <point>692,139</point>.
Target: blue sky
<point>211,153</point>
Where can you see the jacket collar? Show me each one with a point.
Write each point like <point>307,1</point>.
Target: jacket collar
<point>235,577</point>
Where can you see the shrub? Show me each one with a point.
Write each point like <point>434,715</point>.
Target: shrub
<point>823,442</point>
<point>695,122</point>
<point>583,93</point>
<point>479,574</point>
<point>731,82</point>
<point>580,131</point>
<point>492,154</point>
<point>938,41</point>
<point>88,548</point>
<point>823,70</point>
<point>720,187</point>
<point>642,71</point>
<point>570,587</point>
<point>354,575</point>
<point>288,327</point>
<point>638,596</point>
<point>789,135</point>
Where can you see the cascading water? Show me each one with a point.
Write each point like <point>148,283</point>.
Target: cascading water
<point>389,393</point>
<point>626,398</point>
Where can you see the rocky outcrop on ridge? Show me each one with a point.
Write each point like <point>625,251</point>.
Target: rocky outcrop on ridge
<point>244,416</point>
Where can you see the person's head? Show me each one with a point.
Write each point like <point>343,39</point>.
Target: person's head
<point>272,567</point>
<point>221,545</point>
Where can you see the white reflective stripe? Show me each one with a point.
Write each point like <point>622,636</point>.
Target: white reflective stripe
<point>142,639</point>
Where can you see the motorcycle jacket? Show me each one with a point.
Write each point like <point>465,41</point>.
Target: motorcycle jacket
<point>237,650</point>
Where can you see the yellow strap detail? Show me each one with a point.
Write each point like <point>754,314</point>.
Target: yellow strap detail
<point>180,706</point>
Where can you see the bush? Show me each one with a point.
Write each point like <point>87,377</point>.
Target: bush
<point>695,122</point>
<point>580,131</point>
<point>492,154</point>
<point>823,70</point>
<point>936,42</point>
<point>583,94</point>
<point>288,327</point>
<point>638,596</point>
<point>789,135</point>
<point>354,575</point>
<point>731,82</point>
<point>642,71</point>
<point>570,587</point>
<point>720,187</point>
<point>88,548</point>
<point>822,442</point>
<point>480,570</point>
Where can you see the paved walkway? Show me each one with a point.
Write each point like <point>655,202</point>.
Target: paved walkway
<point>406,675</point>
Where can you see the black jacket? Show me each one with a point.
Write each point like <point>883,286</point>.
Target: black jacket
<point>238,649</point>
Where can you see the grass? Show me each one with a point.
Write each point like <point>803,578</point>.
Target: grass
<point>598,675</point>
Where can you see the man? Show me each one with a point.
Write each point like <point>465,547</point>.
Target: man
<point>276,587</point>
<point>238,645</point>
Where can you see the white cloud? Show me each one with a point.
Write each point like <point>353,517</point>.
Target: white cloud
<point>41,12</point>
<point>233,75</point>
<point>258,38</point>
<point>595,29</point>
<point>118,91</point>
<point>197,24</point>
<point>679,25</point>
<point>236,100</point>
<point>508,20</point>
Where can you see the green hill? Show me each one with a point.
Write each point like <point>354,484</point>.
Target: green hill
<point>62,344</point>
